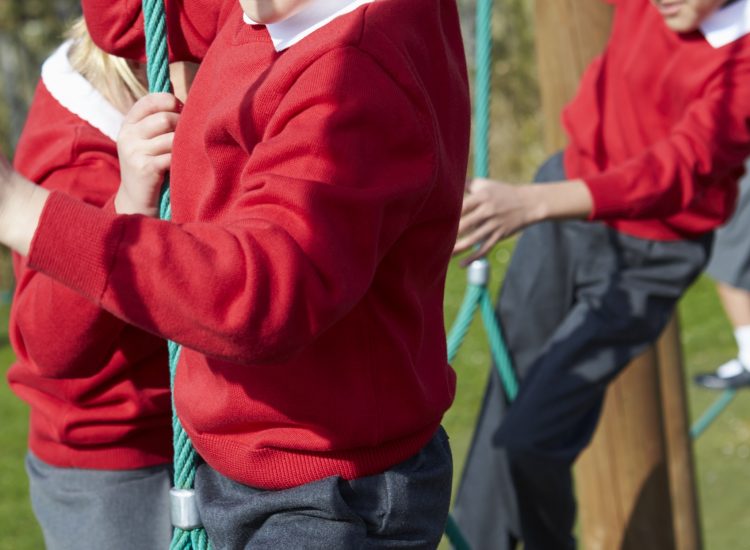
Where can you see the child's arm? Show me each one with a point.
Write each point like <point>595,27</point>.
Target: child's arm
<point>324,198</point>
<point>54,328</point>
<point>21,205</point>
<point>117,27</point>
<point>493,211</point>
<point>710,143</point>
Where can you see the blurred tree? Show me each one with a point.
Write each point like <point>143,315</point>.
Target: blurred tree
<point>516,135</point>
<point>29,29</point>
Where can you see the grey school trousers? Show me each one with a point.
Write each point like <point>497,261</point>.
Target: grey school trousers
<point>579,301</point>
<point>730,257</point>
<point>81,509</point>
<point>404,507</point>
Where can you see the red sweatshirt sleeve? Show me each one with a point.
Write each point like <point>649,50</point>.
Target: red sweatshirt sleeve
<point>117,26</point>
<point>348,161</point>
<point>711,141</point>
<point>61,332</point>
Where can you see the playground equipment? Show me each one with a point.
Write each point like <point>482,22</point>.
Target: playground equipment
<point>635,483</point>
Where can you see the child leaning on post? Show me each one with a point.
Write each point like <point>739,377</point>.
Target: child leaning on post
<point>317,178</point>
<point>658,134</point>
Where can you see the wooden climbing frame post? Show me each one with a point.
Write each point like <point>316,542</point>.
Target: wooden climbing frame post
<point>635,483</point>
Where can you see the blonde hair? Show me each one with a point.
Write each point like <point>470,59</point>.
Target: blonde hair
<point>111,75</point>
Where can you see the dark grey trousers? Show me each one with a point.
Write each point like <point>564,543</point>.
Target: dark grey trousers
<point>579,301</point>
<point>101,509</point>
<point>730,257</point>
<point>404,507</point>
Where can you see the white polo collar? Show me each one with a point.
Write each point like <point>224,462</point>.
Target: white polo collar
<point>317,14</point>
<point>727,24</point>
<point>77,95</point>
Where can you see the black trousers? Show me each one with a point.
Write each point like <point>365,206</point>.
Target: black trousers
<point>579,301</point>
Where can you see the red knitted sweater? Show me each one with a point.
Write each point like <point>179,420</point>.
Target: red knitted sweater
<point>660,128</point>
<point>98,388</point>
<point>315,194</point>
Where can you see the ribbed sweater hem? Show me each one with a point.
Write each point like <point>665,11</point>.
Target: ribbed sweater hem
<point>140,451</point>
<point>276,469</point>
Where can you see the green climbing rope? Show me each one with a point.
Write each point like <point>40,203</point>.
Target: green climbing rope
<point>157,70</point>
<point>477,295</point>
<point>455,536</point>
<point>483,88</point>
<point>712,413</point>
<point>461,325</point>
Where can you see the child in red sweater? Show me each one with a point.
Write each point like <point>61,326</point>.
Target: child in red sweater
<point>316,184</point>
<point>659,132</point>
<point>98,388</point>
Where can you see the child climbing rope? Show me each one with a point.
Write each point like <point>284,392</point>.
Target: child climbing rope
<point>658,134</point>
<point>98,388</point>
<point>316,185</point>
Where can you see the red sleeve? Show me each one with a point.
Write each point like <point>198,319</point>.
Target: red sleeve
<point>117,26</point>
<point>61,332</point>
<point>344,170</point>
<point>710,142</point>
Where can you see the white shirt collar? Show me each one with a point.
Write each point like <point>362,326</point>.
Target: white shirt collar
<point>78,96</point>
<point>727,24</point>
<point>317,14</point>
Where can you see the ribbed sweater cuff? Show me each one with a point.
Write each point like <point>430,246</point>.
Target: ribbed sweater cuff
<point>608,201</point>
<point>76,243</point>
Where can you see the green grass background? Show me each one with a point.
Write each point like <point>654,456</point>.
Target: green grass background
<point>722,454</point>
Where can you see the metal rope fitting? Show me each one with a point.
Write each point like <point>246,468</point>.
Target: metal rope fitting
<point>478,273</point>
<point>184,509</point>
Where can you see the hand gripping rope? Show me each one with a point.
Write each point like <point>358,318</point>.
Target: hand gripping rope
<point>188,529</point>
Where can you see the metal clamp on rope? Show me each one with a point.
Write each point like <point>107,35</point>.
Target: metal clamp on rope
<point>478,273</point>
<point>184,509</point>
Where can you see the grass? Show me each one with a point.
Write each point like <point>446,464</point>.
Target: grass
<point>722,453</point>
<point>18,528</point>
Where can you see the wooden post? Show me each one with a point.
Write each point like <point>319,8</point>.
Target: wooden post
<point>676,423</point>
<point>635,482</point>
<point>622,478</point>
<point>569,34</point>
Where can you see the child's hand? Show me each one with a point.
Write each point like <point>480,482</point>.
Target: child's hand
<point>144,147</point>
<point>491,212</point>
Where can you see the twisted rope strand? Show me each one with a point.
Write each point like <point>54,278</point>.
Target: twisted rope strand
<point>185,457</point>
